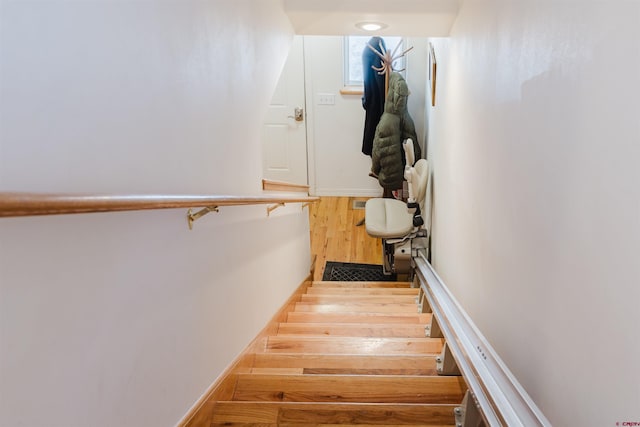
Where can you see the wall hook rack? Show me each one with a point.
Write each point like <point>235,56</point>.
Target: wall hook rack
<point>387,59</point>
<point>191,217</point>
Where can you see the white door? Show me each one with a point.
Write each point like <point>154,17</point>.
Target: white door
<point>284,133</point>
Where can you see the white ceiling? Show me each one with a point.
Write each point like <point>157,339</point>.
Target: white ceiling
<point>425,18</point>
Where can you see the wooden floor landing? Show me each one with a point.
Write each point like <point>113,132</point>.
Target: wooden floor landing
<point>335,235</point>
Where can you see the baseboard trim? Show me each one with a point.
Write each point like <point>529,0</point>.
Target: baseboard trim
<point>348,192</point>
<point>222,388</point>
<point>269,185</point>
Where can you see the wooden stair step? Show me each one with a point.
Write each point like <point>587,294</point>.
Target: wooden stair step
<point>356,308</point>
<point>278,371</point>
<point>320,425</point>
<point>349,353</point>
<point>353,329</point>
<point>349,388</point>
<point>353,345</point>
<point>311,290</point>
<point>234,412</point>
<point>325,284</point>
<point>366,371</point>
<point>337,299</point>
<point>346,364</point>
<point>309,317</point>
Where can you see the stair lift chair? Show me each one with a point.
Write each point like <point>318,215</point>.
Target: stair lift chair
<point>403,227</point>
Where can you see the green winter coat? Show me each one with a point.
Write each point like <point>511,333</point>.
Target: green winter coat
<point>394,127</point>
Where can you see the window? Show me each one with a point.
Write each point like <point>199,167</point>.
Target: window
<point>353,47</point>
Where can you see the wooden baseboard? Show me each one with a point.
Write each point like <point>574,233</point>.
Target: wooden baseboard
<point>269,185</point>
<point>222,389</point>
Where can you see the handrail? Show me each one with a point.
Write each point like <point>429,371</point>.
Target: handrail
<point>13,204</point>
<point>497,393</point>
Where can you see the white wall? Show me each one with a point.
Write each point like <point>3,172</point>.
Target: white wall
<point>334,132</point>
<point>535,139</point>
<point>125,319</point>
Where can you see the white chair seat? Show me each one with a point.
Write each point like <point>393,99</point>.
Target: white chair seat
<point>387,218</point>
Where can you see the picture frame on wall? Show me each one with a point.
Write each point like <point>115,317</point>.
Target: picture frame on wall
<point>433,66</point>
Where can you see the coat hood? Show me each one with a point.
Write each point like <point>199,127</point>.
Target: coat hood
<point>396,102</point>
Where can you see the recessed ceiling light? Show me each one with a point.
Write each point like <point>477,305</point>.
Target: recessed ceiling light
<point>371,26</point>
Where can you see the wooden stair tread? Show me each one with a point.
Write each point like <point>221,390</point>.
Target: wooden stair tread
<point>344,371</point>
<point>332,413</point>
<point>278,371</point>
<point>325,284</point>
<point>337,299</point>
<point>347,353</point>
<point>353,329</point>
<point>311,317</point>
<point>361,291</point>
<point>354,307</point>
<point>322,425</point>
<point>312,361</point>
<point>353,345</point>
<point>350,388</point>
<point>368,371</point>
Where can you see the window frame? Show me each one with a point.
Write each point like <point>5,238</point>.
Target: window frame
<point>347,57</point>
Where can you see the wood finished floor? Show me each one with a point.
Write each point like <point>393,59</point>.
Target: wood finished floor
<point>335,235</point>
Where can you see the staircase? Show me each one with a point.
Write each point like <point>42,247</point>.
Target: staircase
<point>349,353</point>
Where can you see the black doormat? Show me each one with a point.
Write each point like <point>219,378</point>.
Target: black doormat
<point>350,272</point>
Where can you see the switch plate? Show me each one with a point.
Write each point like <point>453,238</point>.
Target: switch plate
<point>326,99</point>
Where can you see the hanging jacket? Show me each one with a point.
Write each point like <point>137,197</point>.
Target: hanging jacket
<point>394,127</point>
<point>373,98</point>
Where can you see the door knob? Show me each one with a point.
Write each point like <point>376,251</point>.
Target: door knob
<point>298,114</point>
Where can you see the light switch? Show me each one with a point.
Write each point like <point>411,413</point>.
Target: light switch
<point>326,99</point>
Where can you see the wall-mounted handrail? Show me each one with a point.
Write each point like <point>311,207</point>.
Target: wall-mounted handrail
<point>497,393</point>
<point>29,204</point>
